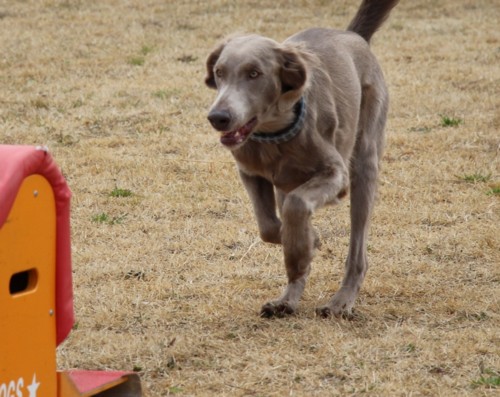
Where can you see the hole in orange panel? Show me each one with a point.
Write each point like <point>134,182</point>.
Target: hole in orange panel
<point>23,281</point>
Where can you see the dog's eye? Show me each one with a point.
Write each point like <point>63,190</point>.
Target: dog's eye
<point>218,73</point>
<point>253,74</point>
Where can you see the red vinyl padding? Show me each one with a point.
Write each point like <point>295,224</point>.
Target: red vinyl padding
<point>89,381</point>
<point>17,163</point>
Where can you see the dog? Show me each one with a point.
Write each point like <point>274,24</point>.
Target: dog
<point>304,120</point>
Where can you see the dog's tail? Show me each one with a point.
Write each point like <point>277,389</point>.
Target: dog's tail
<point>370,16</point>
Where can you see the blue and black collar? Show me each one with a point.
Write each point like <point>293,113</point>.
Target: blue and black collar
<point>287,133</point>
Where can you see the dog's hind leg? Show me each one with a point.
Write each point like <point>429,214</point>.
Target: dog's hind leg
<point>363,174</point>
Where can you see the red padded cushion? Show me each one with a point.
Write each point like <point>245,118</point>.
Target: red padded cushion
<point>17,163</point>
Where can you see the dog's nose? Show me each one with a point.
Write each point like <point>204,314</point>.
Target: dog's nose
<point>219,119</point>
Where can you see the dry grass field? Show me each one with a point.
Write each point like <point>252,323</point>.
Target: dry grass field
<point>169,272</point>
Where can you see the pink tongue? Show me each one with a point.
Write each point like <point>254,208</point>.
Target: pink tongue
<point>231,138</point>
<point>238,136</point>
<point>234,136</point>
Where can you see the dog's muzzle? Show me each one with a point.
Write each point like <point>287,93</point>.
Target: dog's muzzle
<point>220,119</point>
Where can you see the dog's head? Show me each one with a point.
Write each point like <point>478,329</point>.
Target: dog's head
<point>258,81</point>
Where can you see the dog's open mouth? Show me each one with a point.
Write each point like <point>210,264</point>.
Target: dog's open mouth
<point>232,138</point>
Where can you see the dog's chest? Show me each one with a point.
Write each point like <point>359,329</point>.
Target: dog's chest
<point>289,178</point>
<point>280,169</point>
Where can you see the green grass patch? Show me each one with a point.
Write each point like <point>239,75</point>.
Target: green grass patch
<point>165,94</point>
<point>104,218</point>
<point>494,191</point>
<point>489,379</point>
<point>422,129</point>
<point>410,348</point>
<point>161,94</point>
<point>146,49</point>
<point>136,61</point>
<point>140,60</point>
<point>65,139</point>
<point>78,103</point>
<point>447,121</point>
<point>117,192</point>
<point>101,218</point>
<point>476,177</point>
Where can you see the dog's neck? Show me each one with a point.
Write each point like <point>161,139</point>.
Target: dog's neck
<point>287,133</point>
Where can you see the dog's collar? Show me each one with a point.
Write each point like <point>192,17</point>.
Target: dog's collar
<point>287,133</point>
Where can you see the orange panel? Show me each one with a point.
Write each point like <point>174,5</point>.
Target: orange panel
<point>66,387</point>
<point>27,293</point>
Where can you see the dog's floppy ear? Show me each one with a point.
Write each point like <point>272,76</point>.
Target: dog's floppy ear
<point>211,61</point>
<point>293,73</point>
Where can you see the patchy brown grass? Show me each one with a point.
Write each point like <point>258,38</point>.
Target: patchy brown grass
<point>169,279</point>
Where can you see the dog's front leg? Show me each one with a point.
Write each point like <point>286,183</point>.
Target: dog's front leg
<point>297,234</point>
<point>261,193</point>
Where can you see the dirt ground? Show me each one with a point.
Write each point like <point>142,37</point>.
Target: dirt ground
<point>169,272</point>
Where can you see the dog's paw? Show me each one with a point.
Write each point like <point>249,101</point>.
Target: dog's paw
<point>339,306</point>
<point>327,312</point>
<point>324,312</point>
<point>276,309</point>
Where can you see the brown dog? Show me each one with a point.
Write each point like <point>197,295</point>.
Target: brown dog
<point>305,121</point>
